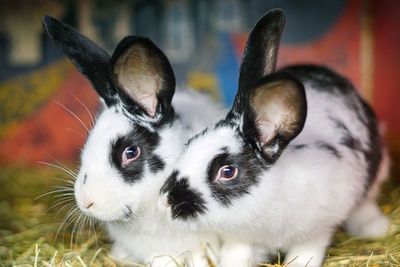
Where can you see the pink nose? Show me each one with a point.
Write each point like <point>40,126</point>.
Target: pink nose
<point>90,205</point>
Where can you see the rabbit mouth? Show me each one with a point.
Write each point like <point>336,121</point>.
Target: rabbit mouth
<point>126,215</point>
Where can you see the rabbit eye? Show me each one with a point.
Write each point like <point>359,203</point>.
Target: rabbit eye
<point>130,154</point>
<point>226,173</point>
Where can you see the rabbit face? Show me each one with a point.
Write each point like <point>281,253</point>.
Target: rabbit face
<point>216,169</point>
<point>120,167</point>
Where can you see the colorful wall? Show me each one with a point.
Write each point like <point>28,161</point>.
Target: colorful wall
<point>204,40</point>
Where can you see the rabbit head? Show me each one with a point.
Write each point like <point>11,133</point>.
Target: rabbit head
<point>223,163</point>
<point>132,141</point>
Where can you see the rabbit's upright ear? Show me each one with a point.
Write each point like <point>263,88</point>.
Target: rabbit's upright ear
<point>90,59</point>
<point>274,114</point>
<point>144,76</point>
<point>260,55</point>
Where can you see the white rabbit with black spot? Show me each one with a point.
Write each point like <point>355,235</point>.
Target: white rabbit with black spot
<point>137,137</point>
<point>298,155</point>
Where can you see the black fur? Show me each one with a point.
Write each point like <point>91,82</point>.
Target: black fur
<point>147,142</point>
<point>322,78</point>
<point>249,167</point>
<point>156,164</point>
<point>90,59</point>
<point>186,203</point>
<point>373,154</point>
<point>330,148</point>
<point>327,81</point>
<point>299,147</point>
<point>128,212</point>
<point>260,55</point>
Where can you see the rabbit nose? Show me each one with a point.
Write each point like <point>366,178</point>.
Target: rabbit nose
<point>166,202</point>
<point>163,202</point>
<point>90,205</point>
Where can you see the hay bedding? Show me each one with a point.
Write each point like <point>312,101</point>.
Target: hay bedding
<point>27,235</point>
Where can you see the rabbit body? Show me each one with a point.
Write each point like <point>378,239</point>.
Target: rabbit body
<point>322,178</point>
<point>298,154</point>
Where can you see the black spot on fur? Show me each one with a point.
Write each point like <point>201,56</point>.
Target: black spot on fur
<point>196,136</point>
<point>156,164</point>
<point>186,202</point>
<point>321,77</point>
<point>330,148</point>
<point>299,147</point>
<point>372,154</point>
<point>128,213</point>
<point>352,143</point>
<point>84,178</point>
<point>347,139</point>
<point>327,81</point>
<point>147,142</point>
<point>249,166</point>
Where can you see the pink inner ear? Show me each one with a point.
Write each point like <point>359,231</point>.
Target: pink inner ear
<point>149,102</point>
<point>267,131</point>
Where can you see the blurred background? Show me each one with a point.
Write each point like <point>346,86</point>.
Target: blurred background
<point>204,41</point>
<point>42,95</point>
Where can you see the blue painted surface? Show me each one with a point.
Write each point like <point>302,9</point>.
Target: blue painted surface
<point>307,20</point>
<point>227,69</point>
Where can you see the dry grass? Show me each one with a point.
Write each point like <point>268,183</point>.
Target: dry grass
<point>27,235</point>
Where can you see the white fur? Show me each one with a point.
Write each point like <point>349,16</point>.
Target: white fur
<point>300,200</point>
<point>145,237</point>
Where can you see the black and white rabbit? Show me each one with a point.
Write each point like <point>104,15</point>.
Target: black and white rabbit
<point>298,154</point>
<point>137,136</point>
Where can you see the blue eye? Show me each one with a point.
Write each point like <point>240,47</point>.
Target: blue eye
<point>226,173</point>
<point>130,154</point>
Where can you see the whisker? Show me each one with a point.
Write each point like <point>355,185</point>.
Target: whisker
<point>73,114</point>
<point>75,132</point>
<point>77,221</point>
<point>60,168</point>
<point>93,227</point>
<point>64,194</point>
<point>81,229</point>
<point>69,214</point>
<point>65,188</point>
<point>65,167</point>
<point>65,181</point>
<point>87,109</point>
<point>53,192</point>
<point>68,205</point>
<point>58,203</point>
<point>72,220</point>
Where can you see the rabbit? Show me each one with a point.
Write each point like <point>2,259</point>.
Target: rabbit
<point>135,140</point>
<point>298,155</point>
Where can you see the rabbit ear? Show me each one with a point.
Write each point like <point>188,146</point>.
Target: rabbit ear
<point>90,59</point>
<point>274,114</point>
<point>260,55</point>
<point>144,75</point>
